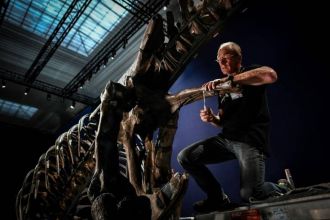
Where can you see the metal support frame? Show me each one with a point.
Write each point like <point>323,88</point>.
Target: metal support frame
<point>73,13</point>
<point>139,10</point>
<point>117,41</point>
<point>144,9</point>
<point>132,11</point>
<point>3,9</point>
<point>44,87</point>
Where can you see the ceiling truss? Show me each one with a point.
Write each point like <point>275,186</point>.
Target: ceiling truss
<point>44,87</point>
<point>71,16</point>
<point>142,12</point>
<point>109,50</point>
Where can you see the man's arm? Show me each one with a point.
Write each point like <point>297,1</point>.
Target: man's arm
<point>256,77</point>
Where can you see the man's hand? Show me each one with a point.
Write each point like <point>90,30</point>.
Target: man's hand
<point>211,85</point>
<point>207,115</point>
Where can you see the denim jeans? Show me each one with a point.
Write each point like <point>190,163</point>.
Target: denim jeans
<point>217,149</point>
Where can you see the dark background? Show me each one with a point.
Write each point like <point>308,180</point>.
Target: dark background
<point>289,38</point>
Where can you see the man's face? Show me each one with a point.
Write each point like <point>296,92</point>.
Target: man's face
<point>229,63</point>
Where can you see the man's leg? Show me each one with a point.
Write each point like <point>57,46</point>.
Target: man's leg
<point>194,159</point>
<point>252,167</point>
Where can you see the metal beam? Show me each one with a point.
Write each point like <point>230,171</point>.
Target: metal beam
<point>44,87</point>
<point>74,11</point>
<point>117,41</point>
<point>3,8</point>
<point>134,11</point>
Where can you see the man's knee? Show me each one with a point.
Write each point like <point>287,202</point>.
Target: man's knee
<point>183,158</point>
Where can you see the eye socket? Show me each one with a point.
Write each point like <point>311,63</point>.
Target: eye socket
<point>224,59</point>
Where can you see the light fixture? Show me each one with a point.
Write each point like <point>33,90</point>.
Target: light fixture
<point>105,62</point>
<point>166,3</point>
<point>73,105</point>
<point>3,84</point>
<point>81,85</point>
<point>27,90</point>
<point>113,54</point>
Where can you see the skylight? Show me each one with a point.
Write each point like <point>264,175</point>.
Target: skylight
<point>41,18</point>
<point>17,110</point>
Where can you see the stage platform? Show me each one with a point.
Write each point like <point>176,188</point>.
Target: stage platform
<point>304,203</point>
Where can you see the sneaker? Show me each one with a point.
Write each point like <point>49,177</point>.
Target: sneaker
<point>285,185</point>
<point>210,205</point>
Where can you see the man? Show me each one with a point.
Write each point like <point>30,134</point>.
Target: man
<point>244,118</point>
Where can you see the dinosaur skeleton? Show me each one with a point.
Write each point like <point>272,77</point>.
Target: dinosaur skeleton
<point>108,166</point>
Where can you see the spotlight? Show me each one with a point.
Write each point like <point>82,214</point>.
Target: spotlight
<point>166,3</point>
<point>105,62</point>
<point>81,85</point>
<point>73,105</point>
<point>113,54</point>
<point>3,84</point>
<point>27,90</point>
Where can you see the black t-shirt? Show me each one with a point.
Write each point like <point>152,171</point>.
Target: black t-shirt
<point>246,116</point>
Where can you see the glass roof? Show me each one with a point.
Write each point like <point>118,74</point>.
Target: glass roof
<point>41,17</point>
<point>17,110</point>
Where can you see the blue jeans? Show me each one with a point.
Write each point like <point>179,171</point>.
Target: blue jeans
<point>217,149</point>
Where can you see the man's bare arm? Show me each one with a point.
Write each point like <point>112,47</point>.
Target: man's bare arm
<point>256,77</point>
